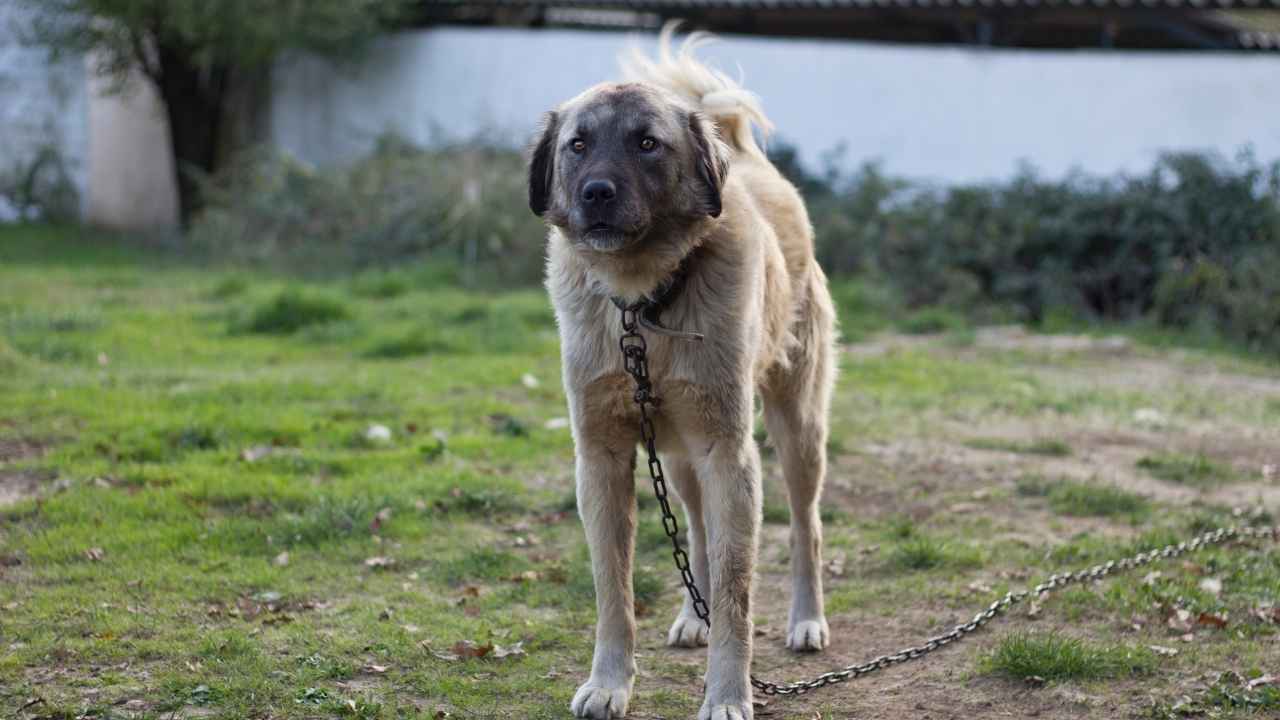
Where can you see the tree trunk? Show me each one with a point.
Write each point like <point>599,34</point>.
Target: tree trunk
<point>195,102</point>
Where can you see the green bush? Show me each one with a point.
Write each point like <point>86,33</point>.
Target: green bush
<point>1193,244</point>
<point>464,206</point>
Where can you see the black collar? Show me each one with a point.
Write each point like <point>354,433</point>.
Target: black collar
<point>648,309</point>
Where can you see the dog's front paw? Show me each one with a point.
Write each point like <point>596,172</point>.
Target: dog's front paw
<point>687,631</point>
<point>808,635</point>
<point>601,701</point>
<point>734,711</point>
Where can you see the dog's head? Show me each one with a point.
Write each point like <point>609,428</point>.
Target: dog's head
<point>625,163</point>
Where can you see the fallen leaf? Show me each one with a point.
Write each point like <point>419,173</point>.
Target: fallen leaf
<point>411,629</point>
<point>529,381</point>
<point>1213,586</point>
<point>1264,680</point>
<point>282,559</point>
<point>381,517</point>
<point>379,562</point>
<point>1179,619</point>
<point>1189,637</point>
<point>1151,577</point>
<point>1267,614</point>
<point>376,669</point>
<point>1033,680</point>
<point>95,554</point>
<point>501,652</point>
<point>378,433</point>
<point>526,576</point>
<point>1211,619</point>
<point>464,649</point>
<point>980,587</point>
<point>1162,650</point>
<point>441,714</point>
<point>835,566</point>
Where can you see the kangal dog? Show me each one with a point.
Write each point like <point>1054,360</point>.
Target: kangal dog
<point>638,180</point>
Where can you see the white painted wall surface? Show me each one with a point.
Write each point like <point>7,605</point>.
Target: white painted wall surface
<point>947,114</point>
<point>132,183</point>
<point>41,104</point>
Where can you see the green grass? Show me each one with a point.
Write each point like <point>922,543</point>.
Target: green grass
<point>1196,470</point>
<point>1083,499</point>
<point>933,320</point>
<point>1047,447</point>
<point>291,310</point>
<point>920,552</point>
<point>217,534</point>
<point>1052,656</point>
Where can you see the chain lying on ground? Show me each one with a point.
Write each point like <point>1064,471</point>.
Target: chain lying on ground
<point>635,362</point>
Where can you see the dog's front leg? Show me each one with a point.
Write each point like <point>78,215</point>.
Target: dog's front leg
<point>731,507</point>
<point>606,503</point>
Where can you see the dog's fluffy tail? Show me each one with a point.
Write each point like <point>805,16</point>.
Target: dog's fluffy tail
<point>732,107</point>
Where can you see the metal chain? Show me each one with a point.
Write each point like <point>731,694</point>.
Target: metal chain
<point>636,364</point>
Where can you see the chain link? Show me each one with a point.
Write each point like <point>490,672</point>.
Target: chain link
<point>635,362</point>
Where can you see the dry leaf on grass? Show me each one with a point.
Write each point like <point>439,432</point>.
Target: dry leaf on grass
<point>379,562</point>
<point>469,649</point>
<point>376,669</point>
<point>381,517</point>
<point>1264,680</point>
<point>1211,619</point>
<point>1213,586</point>
<point>95,554</point>
<point>1162,650</point>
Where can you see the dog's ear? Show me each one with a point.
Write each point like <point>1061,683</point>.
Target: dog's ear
<point>712,158</point>
<point>542,165</point>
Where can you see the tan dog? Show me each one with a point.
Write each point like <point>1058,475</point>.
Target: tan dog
<point>633,178</point>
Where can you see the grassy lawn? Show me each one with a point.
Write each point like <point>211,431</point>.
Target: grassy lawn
<point>235,495</point>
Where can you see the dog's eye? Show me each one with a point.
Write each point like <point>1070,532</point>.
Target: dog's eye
<point>648,144</point>
<point>578,145</point>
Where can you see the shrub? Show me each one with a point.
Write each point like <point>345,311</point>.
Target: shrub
<point>1194,243</point>
<point>463,205</point>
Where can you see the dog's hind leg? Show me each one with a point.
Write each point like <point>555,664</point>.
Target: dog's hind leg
<point>689,630</point>
<point>606,503</point>
<point>796,402</point>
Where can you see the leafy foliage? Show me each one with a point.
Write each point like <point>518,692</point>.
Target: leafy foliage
<point>462,205</point>
<point>1193,243</point>
<point>129,34</point>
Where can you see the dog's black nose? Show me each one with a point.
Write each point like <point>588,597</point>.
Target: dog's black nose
<point>599,191</point>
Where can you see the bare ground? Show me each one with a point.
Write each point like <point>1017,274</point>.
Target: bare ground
<point>921,477</point>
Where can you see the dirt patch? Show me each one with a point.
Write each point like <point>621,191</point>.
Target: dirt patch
<point>18,485</point>
<point>21,449</point>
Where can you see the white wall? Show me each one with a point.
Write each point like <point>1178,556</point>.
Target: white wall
<point>947,114</point>
<point>41,104</point>
<point>132,184</point>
